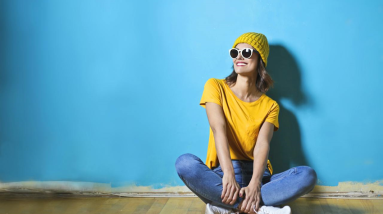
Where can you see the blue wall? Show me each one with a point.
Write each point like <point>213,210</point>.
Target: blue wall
<point>108,91</point>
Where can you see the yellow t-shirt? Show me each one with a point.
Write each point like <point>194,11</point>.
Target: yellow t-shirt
<point>243,120</point>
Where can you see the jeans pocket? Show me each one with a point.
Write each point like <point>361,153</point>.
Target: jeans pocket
<point>237,171</point>
<point>237,166</point>
<point>218,170</point>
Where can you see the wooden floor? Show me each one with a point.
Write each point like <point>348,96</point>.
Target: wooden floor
<point>109,205</point>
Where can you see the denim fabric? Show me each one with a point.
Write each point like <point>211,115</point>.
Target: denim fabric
<point>276,189</point>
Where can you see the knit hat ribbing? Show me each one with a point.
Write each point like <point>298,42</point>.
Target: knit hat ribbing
<point>258,41</point>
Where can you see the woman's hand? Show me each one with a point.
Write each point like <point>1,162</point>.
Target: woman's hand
<point>252,197</point>
<point>230,189</point>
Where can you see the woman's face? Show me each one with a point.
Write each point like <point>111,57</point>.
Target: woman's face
<point>244,65</point>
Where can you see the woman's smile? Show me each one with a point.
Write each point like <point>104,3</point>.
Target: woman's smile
<point>241,64</point>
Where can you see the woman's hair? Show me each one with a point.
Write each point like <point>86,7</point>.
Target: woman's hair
<point>263,82</point>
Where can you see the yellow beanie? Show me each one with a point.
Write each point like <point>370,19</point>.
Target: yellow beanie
<point>258,41</point>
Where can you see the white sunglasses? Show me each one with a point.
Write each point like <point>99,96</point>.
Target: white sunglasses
<point>246,52</point>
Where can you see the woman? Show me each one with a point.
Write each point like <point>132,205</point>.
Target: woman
<point>237,176</point>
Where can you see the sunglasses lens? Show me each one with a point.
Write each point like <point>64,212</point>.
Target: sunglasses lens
<point>246,52</point>
<point>233,53</point>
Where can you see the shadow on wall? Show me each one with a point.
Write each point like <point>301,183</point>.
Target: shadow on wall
<point>286,145</point>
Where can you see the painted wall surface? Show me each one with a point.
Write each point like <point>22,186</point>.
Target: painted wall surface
<point>108,91</point>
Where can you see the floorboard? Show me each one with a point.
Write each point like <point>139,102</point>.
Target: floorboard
<point>188,205</point>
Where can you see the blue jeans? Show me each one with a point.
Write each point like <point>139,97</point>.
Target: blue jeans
<point>276,189</point>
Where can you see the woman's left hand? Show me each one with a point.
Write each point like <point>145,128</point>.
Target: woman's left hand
<point>252,198</point>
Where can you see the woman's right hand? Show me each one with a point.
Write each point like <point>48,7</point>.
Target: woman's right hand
<point>230,189</point>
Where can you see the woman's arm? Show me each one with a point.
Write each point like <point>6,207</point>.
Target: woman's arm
<point>261,152</point>
<point>218,126</point>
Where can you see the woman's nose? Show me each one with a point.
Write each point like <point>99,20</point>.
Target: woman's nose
<point>239,55</point>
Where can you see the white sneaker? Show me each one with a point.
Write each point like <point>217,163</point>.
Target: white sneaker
<point>274,210</point>
<point>211,209</point>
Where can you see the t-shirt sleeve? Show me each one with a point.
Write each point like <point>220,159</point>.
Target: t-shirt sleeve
<point>211,93</point>
<point>272,117</point>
